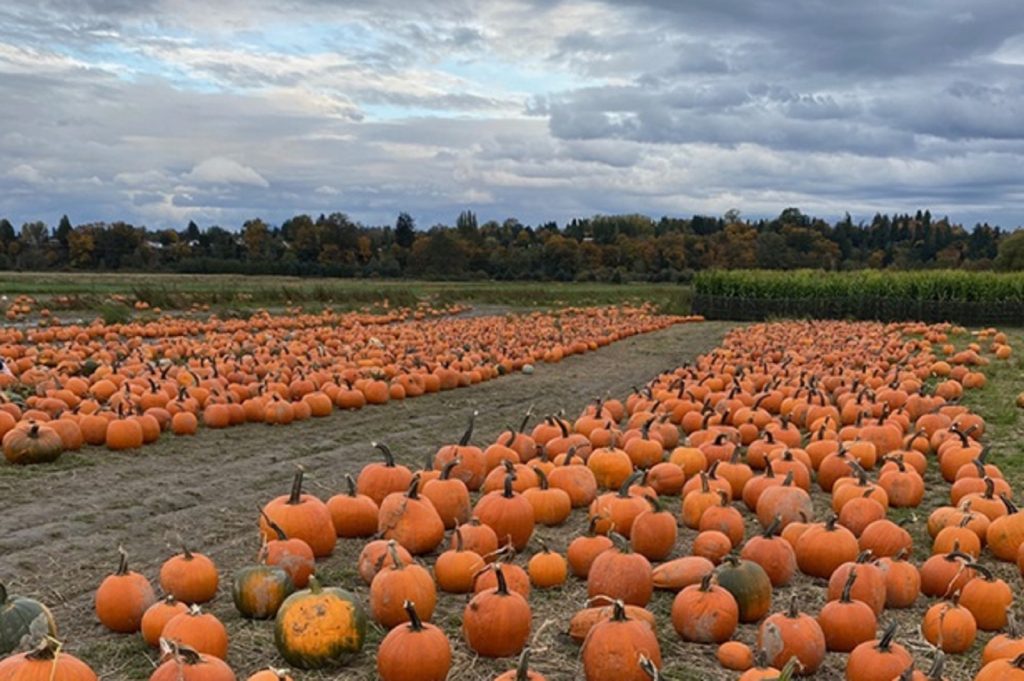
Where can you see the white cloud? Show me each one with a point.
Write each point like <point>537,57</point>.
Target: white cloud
<point>220,170</point>
<point>25,173</point>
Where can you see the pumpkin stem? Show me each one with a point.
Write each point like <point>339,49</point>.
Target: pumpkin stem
<point>985,572</point>
<point>511,436</point>
<point>446,470</point>
<point>830,523</point>
<point>647,666</point>
<point>389,458</point>
<point>618,611</point>
<point>414,488</point>
<point>396,561</point>
<point>865,556</point>
<point>705,582</point>
<point>794,609</point>
<point>620,541</point>
<point>508,492</point>
<point>502,589</point>
<point>469,430</point>
<point>542,478</point>
<point>523,668</point>
<point>848,587</point>
<point>350,481</point>
<point>122,566</point>
<point>885,643</point>
<point>414,619</point>
<point>629,482</point>
<point>526,419</point>
<point>314,584</point>
<point>1010,507</point>
<point>186,554</point>
<point>296,495</point>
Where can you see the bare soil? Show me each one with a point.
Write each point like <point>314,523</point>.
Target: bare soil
<point>60,525</point>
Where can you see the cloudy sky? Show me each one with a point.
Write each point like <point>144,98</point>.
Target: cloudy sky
<point>161,111</point>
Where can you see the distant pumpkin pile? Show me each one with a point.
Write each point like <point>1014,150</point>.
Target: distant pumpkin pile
<point>859,410</point>
<point>121,386</point>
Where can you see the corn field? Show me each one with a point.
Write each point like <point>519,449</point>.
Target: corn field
<point>932,296</point>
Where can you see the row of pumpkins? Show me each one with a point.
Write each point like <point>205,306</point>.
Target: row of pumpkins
<point>274,370</point>
<point>858,410</point>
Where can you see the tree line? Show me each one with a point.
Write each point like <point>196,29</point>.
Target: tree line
<point>601,248</point>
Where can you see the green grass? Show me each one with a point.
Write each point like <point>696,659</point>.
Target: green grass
<point>236,292</point>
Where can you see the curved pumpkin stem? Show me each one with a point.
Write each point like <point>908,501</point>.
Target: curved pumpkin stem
<point>351,483</point>
<point>122,566</point>
<point>274,527</point>
<point>414,619</point>
<point>885,643</point>
<point>526,419</point>
<point>295,498</point>
<point>848,587</point>
<point>389,458</point>
<point>499,574</point>
<point>446,470</point>
<point>469,430</point>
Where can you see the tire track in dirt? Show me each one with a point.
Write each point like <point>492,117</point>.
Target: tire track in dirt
<point>61,525</point>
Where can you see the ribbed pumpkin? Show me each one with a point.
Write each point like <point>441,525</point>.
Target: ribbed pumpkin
<point>497,622</point>
<point>773,553</point>
<point>620,574</point>
<point>416,651</point>
<point>449,496</point>
<point>614,647</point>
<point>845,622</point>
<point>156,618</point>
<point>879,659</point>
<point>793,634</point>
<point>319,627</point>
<point>410,520</point>
<point>45,663</point>
<point>301,516</point>
<point>353,514</point>
<point>199,630</point>
<point>397,584</point>
<point>123,599</point>
<point>189,577</point>
<point>705,613</point>
<point>377,480</point>
<point>258,591</point>
<point>35,444</point>
<point>181,663</point>
<point>456,568</point>
<point>508,513</point>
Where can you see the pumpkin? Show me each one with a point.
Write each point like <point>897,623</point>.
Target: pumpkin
<point>576,480</point>
<point>294,556</point>
<point>497,622</point>
<point>319,627</point>
<point>376,555</point>
<point>477,537</point>
<point>353,514</point>
<point>902,581</point>
<point>47,662</point>
<point>472,466</point>
<point>677,574</point>
<point>156,618</point>
<point>181,663</point>
<point>583,550</point>
<point>377,480</point>
<point>551,505</point>
<point>1005,535</point>
<point>879,659</point>
<point>613,648</point>
<point>449,496</point>
<point>123,598</point>
<point>398,583</point>
<point>414,652</point>
<point>258,591</point>
<point>547,569</point>
<point>749,585</point>
<point>301,516</point>
<point>508,513</point>
<point>584,620</point>
<point>22,620</point>
<point>620,574</point>
<point>654,531</point>
<point>198,630</point>
<point>987,598</point>
<point>946,573</point>
<point>773,553</point>
<point>189,577</point>
<point>271,674</point>
<point>735,656</point>
<point>1003,670</point>
<point>1006,645</point>
<point>823,548</point>
<point>949,626</point>
<point>793,634</point>
<point>35,444</point>
<point>845,622</point>
<point>456,569</point>
<point>410,520</point>
<point>705,613</point>
<point>870,584</point>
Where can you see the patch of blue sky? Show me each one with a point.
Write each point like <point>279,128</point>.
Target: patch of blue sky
<point>490,74</point>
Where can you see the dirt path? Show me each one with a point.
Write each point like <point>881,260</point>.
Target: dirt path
<point>60,526</point>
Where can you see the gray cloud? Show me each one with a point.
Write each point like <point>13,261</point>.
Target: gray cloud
<point>160,111</point>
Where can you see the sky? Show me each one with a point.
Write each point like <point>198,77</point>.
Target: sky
<point>163,111</point>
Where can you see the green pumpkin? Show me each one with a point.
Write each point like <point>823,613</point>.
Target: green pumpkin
<point>319,627</point>
<point>749,585</point>
<point>260,590</point>
<point>23,621</point>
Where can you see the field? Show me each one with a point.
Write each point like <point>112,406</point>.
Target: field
<point>66,520</point>
<point>226,294</point>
